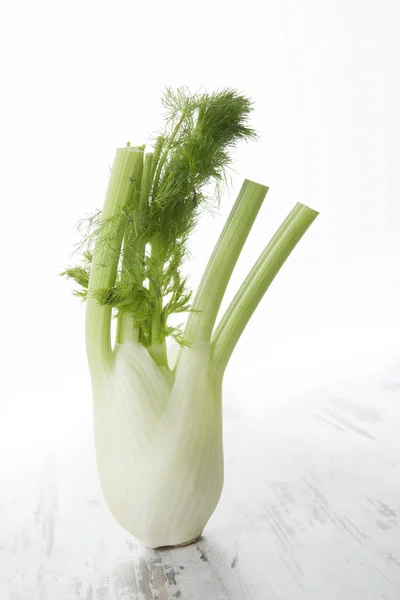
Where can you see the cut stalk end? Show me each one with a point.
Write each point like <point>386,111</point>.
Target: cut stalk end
<point>252,290</point>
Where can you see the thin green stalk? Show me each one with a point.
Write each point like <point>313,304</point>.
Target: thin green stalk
<point>165,153</point>
<point>158,352</point>
<point>257,282</point>
<point>126,327</point>
<point>127,164</point>
<point>158,348</point>
<point>222,262</point>
<point>156,157</point>
<point>146,181</point>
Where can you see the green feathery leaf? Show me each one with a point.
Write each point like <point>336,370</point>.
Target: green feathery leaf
<point>190,153</point>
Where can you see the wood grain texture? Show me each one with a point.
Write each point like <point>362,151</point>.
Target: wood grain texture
<point>310,509</point>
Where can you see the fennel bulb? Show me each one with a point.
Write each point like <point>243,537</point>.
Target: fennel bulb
<point>158,430</point>
<point>159,448</point>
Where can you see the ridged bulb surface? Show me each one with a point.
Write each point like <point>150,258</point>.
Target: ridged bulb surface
<point>159,447</point>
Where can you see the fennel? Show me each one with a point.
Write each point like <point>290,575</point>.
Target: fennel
<point>158,429</point>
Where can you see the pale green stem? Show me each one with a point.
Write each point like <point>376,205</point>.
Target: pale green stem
<point>126,328</point>
<point>257,282</point>
<point>158,352</point>
<point>156,157</point>
<point>146,180</point>
<point>216,277</point>
<point>126,167</point>
<point>158,348</point>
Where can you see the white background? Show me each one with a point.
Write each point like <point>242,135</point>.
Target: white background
<point>311,395</point>
<point>82,78</point>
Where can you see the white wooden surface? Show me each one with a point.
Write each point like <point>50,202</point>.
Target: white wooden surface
<point>310,509</point>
